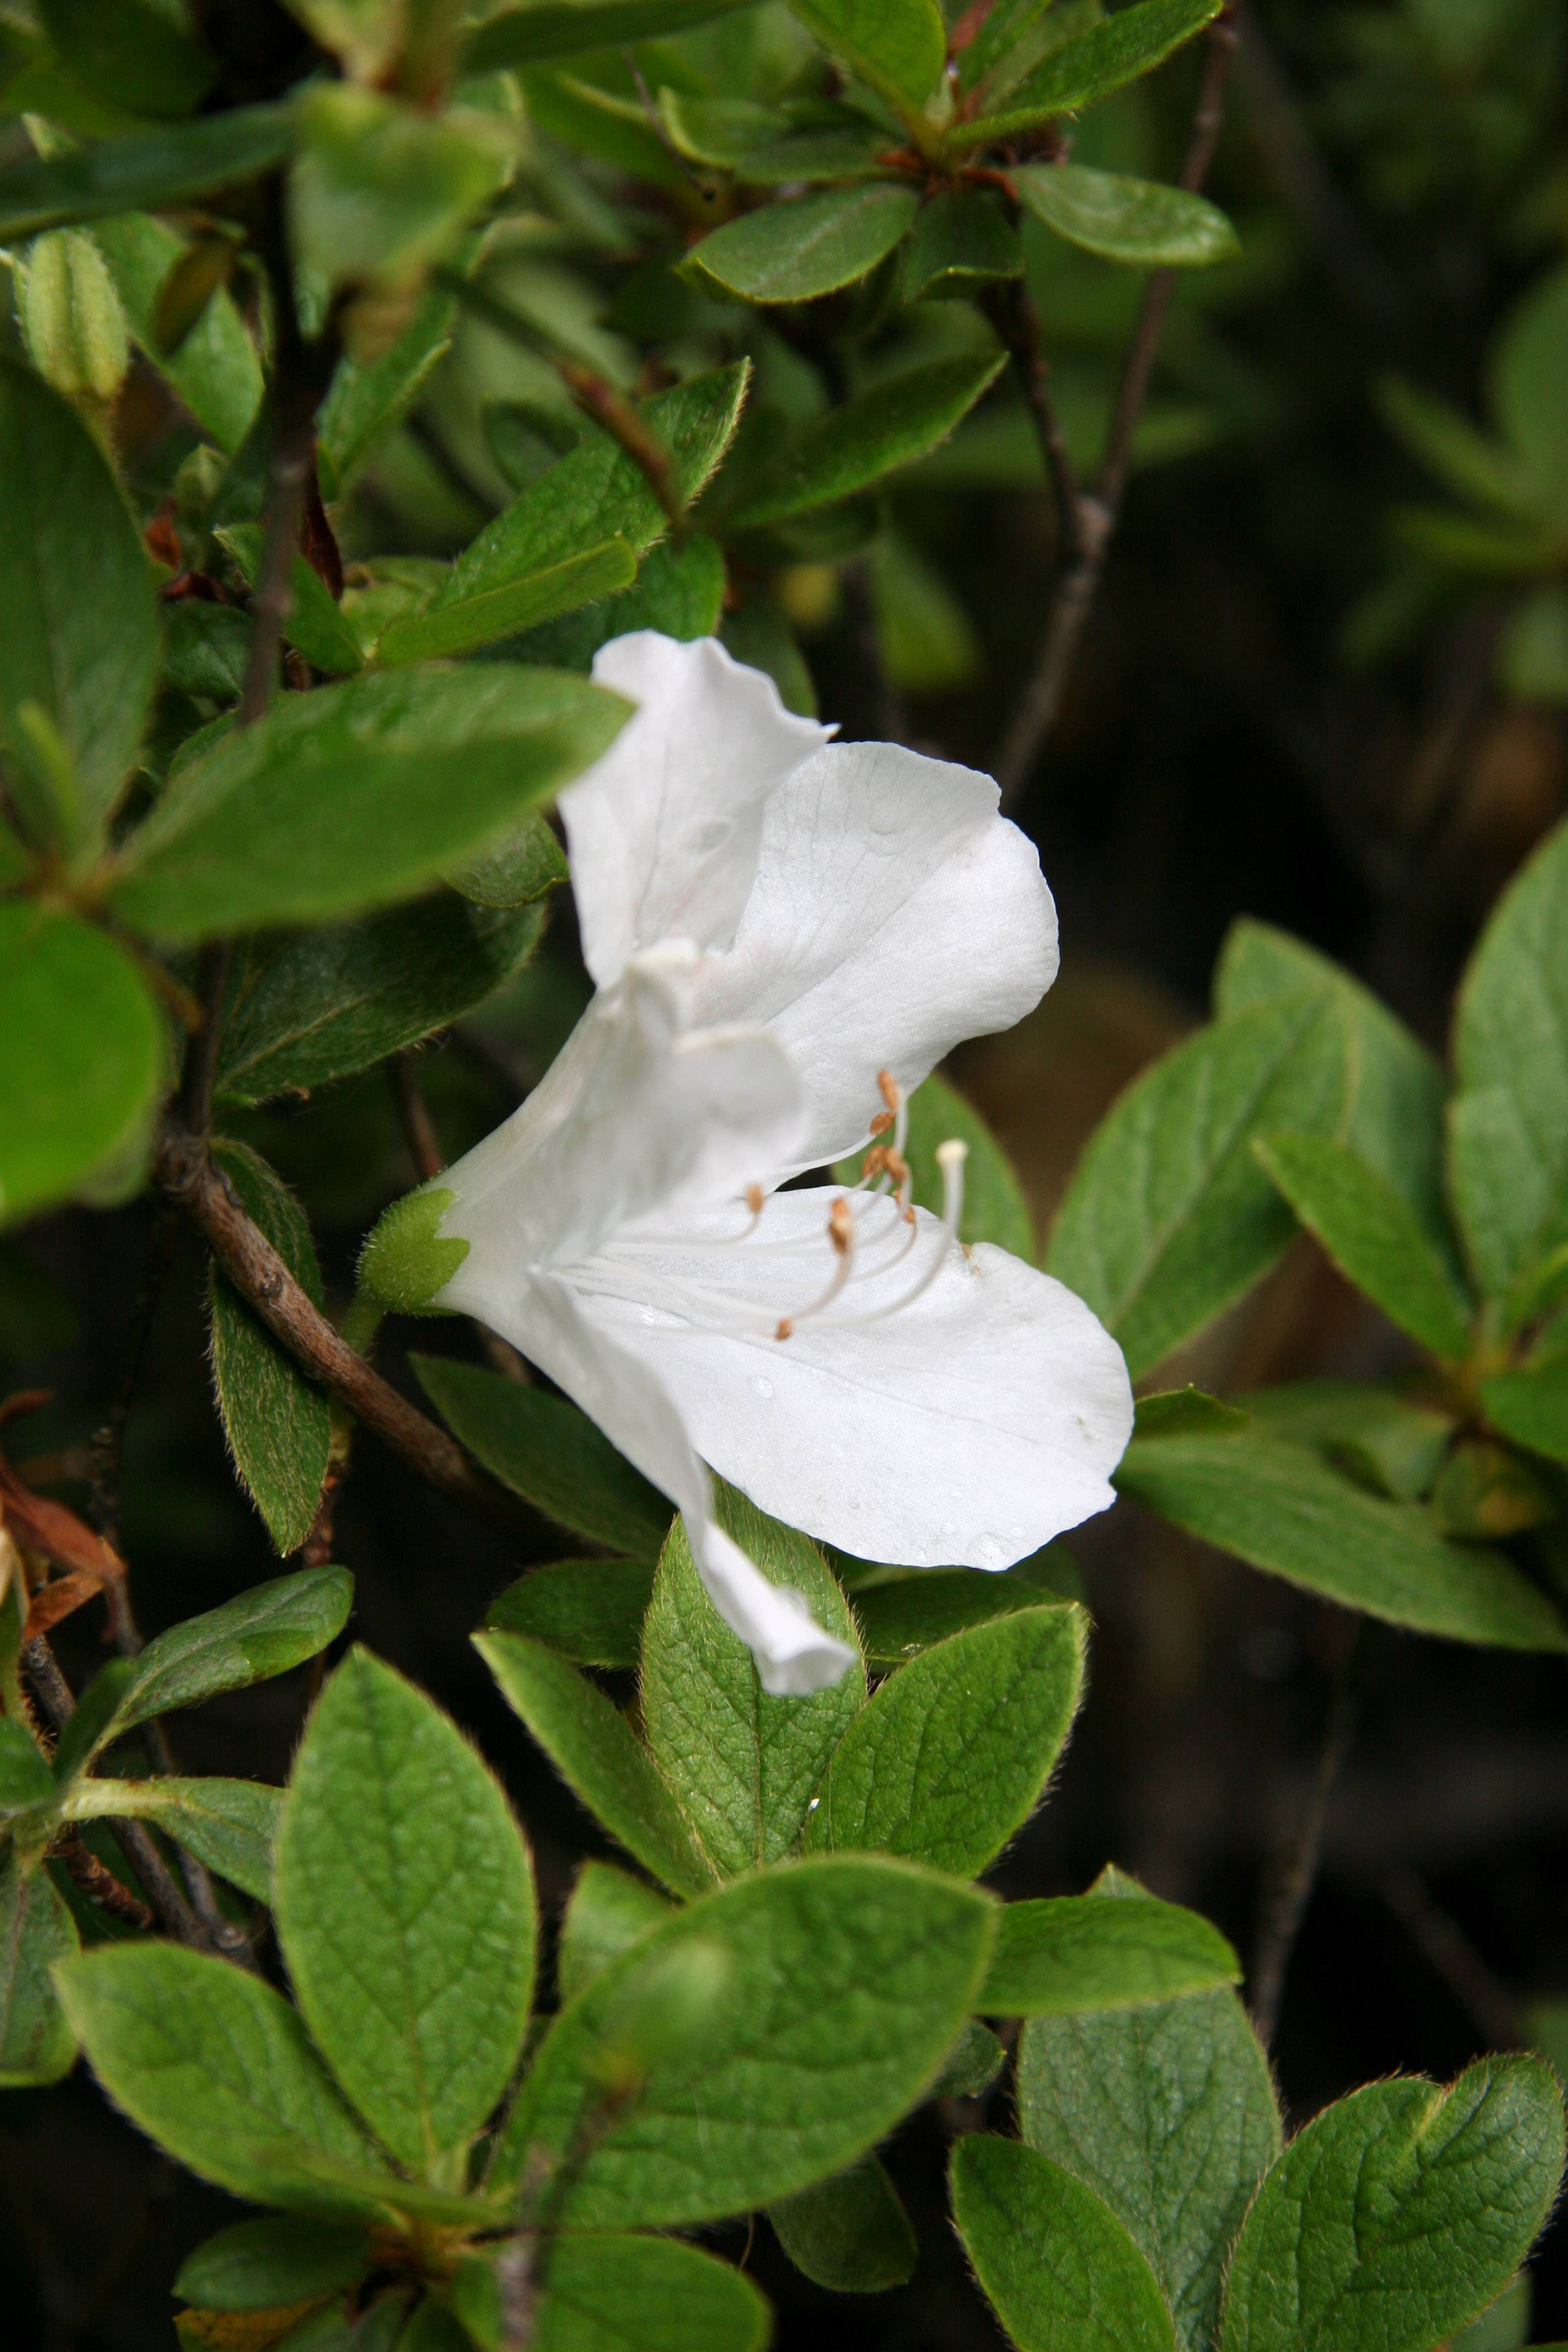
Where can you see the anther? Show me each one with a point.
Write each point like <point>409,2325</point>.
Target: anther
<point>755,1199</point>
<point>785,1329</point>
<point>888,1087</point>
<point>841,1226</point>
<point>882,1122</point>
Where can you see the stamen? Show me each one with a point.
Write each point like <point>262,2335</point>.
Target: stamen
<point>785,1329</point>
<point>755,1199</point>
<point>882,1122</point>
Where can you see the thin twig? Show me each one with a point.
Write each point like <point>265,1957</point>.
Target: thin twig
<point>1096,513</point>
<point>1448,1952</point>
<point>189,1176</point>
<point>100,1884</point>
<point>1288,1888</point>
<point>1011,310</point>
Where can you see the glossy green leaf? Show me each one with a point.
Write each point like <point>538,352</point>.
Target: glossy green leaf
<point>1372,1234</point>
<point>1106,58</point>
<point>1399,2213</point>
<point>217,2067</point>
<point>37,2044</point>
<point>230,1826</point>
<point>549,1451</point>
<point>1527,386</point>
<point>1530,1405</point>
<point>841,1982</point>
<point>261,1634</point>
<point>1069,1953</point>
<point>559,28</point>
<point>307,1010</point>
<point>597,493</point>
<point>465,623</point>
<point>214,369</point>
<point>742,1765</point>
<point>807,246</point>
<point>1141,222</point>
<point>590,1609</point>
<point>1168,2113</point>
<point>276,1421</point>
<point>897,47</point>
<point>1010,41</point>
<point>260,2265</point>
<point>404,1897</point>
<point>594,1749</point>
<point>960,242</point>
<point>79,642</point>
<point>366,400</point>
<point>81,1054</point>
<point>354,795</point>
<point>850,2232</point>
<point>1282,1509</point>
<point>1169,1218</point>
<point>1059,2269</point>
<point>607,1912</point>
<point>868,438</point>
<point>606,2293</point>
<point>953,1754</point>
<point>1508,1132</point>
<point>148,171</point>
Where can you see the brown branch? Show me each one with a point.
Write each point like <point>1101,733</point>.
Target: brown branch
<point>1011,310</point>
<point>100,1884</point>
<point>189,1176</point>
<point>1288,1887</point>
<point>1098,511</point>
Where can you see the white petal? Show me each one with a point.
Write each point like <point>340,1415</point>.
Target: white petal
<point>894,914</point>
<point>634,1410</point>
<point>638,1115</point>
<point>663,830</point>
<point>967,1429</point>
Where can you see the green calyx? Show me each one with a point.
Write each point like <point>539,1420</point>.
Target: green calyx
<point>407,1261</point>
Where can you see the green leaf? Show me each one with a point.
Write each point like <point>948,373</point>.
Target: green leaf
<point>807,246</point>
<point>1395,1123</point>
<point>960,242</point>
<point>308,1010</point>
<point>1178,1412</point>
<point>596,492</point>
<point>898,1618</point>
<point>1508,1132</point>
<point>953,1752</point>
<point>742,1765</point>
<point>844,1982</point>
<point>147,172</point>
<point>606,2293</point>
<point>1168,2113</point>
<point>1399,2213</point>
<point>381,187</point>
<point>518,868</point>
<point>1169,1218</point>
<point>462,625</point>
<point>1069,1953</point>
<point>78,643</point>
<point>594,1749</point>
<point>276,1421</point>
<point>314,621</point>
<point>559,28</point>
<point>1373,1236</point>
<point>995,1207</point>
<point>37,2044</point>
<point>206,650</point>
<point>544,1449</point>
<point>850,2232</point>
<point>1379,1437</point>
<point>1533,660</point>
<point>590,1609</point>
<point>25,1780</point>
<point>1137,220</point>
<point>1530,1405</point>
<point>366,400</point>
<point>1012,38</point>
<point>261,2265</point>
<point>608,1912</point>
<point>228,1825</point>
<point>261,1634</point>
<point>1527,386</point>
<point>1466,459</point>
<point>1124,48</point>
<point>91,1723</point>
<point>354,795</point>
<point>81,1054</point>
<point>678,590</point>
<point>972,2065</point>
<point>897,47</point>
<point>1281,1508</point>
<point>867,439</point>
<point>404,1897</point>
<point>135,55</point>
<point>214,369</point>
<point>214,2066</point>
<point>1061,2271</point>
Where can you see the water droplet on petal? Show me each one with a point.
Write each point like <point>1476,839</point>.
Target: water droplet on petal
<point>760,1386</point>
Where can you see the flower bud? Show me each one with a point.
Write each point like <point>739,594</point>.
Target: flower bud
<point>70,317</point>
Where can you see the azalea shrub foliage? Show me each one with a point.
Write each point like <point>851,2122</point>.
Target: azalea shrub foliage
<point>645,320</point>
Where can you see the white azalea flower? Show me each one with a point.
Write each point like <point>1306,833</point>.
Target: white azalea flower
<point>786,935</point>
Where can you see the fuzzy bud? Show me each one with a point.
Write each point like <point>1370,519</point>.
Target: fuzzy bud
<point>70,317</point>
<point>405,1261</point>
